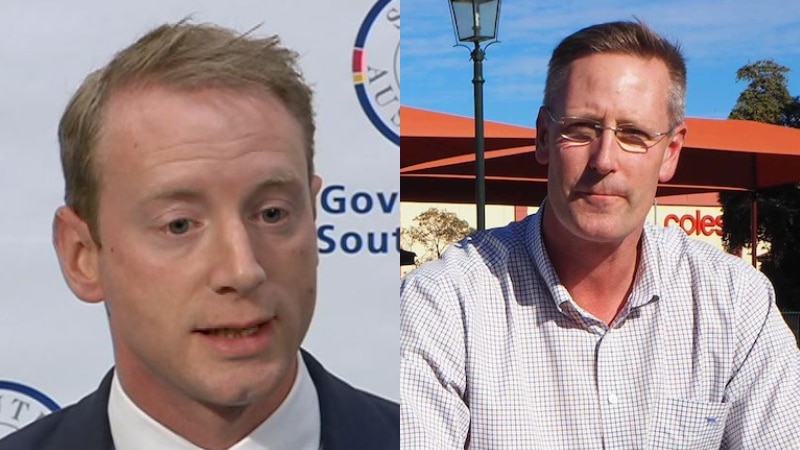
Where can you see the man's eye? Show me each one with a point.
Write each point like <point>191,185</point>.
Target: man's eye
<point>580,130</point>
<point>272,215</point>
<point>632,135</point>
<point>631,131</point>
<point>179,226</point>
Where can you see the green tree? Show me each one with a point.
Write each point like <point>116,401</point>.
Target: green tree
<point>767,99</point>
<point>433,231</point>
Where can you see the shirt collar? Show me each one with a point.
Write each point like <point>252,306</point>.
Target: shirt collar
<point>295,424</point>
<point>646,286</point>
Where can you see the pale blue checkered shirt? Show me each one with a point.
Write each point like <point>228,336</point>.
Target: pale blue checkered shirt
<point>495,354</point>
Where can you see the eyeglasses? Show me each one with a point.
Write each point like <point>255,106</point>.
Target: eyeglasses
<point>582,131</point>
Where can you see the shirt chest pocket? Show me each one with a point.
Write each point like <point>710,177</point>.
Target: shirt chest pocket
<point>686,424</point>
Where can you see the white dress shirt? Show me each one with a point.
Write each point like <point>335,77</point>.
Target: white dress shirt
<point>294,425</point>
<point>495,353</point>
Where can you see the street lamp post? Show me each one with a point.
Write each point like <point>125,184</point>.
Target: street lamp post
<point>476,21</point>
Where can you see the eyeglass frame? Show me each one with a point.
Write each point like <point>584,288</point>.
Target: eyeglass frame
<point>599,128</point>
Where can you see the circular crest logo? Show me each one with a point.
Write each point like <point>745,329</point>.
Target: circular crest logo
<point>376,67</point>
<point>21,405</point>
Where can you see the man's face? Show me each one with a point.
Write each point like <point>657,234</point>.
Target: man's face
<point>598,192</point>
<point>208,259</point>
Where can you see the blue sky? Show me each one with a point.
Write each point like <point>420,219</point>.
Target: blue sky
<point>717,38</point>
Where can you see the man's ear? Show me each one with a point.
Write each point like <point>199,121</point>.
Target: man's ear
<point>78,255</point>
<point>315,186</point>
<point>669,162</point>
<point>542,152</point>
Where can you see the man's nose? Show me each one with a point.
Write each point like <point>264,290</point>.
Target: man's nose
<point>236,266</point>
<point>605,152</point>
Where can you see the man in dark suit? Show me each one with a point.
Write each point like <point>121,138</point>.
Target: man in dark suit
<point>190,192</point>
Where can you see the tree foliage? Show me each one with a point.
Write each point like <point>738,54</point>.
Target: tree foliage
<point>433,231</point>
<point>767,99</point>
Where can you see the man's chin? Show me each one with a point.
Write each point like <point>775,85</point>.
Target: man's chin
<point>600,229</point>
<point>248,385</point>
<point>238,399</point>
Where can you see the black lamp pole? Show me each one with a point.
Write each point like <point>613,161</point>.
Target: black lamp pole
<point>480,167</point>
<point>476,21</point>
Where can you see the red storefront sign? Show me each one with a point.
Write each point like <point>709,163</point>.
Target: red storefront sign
<point>696,224</point>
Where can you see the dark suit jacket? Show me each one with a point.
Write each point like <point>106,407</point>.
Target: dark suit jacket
<point>351,420</point>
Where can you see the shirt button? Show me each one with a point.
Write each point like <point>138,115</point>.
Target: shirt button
<point>612,398</point>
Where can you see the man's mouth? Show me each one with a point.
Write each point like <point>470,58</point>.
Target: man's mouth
<point>233,332</point>
<point>598,194</point>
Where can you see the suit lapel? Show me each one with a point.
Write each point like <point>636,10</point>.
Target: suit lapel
<point>86,426</point>
<point>333,428</point>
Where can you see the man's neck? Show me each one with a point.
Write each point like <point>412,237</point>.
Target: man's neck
<point>598,275</point>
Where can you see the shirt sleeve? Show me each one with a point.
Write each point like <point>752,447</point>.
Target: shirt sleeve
<point>763,390</point>
<point>433,411</point>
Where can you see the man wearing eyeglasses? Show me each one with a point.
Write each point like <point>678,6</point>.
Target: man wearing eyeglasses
<point>581,326</point>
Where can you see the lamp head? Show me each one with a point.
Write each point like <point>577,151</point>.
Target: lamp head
<point>475,20</point>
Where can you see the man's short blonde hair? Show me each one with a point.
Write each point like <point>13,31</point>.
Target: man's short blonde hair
<point>184,56</point>
<point>626,38</point>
